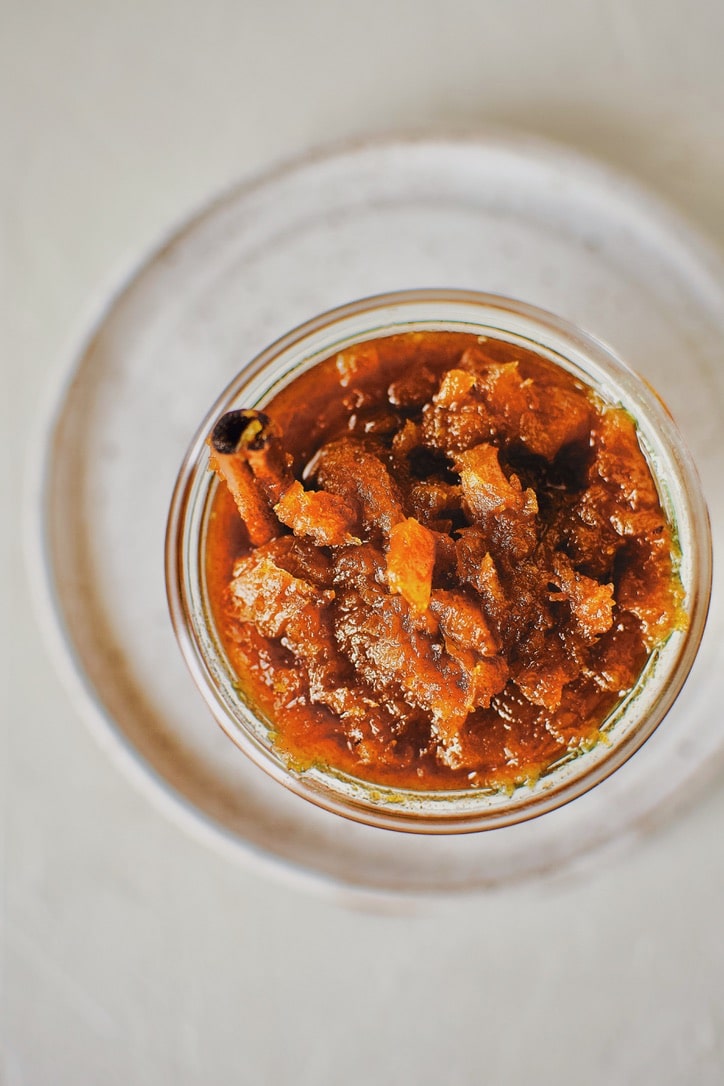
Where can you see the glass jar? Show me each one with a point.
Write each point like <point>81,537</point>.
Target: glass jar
<point>629,724</point>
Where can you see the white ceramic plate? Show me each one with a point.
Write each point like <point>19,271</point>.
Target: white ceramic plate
<point>505,215</point>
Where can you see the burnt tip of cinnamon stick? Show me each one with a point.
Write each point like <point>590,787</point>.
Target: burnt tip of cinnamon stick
<point>240,429</point>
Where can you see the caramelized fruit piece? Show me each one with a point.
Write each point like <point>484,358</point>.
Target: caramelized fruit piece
<point>351,470</point>
<point>410,562</point>
<point>327,519</point>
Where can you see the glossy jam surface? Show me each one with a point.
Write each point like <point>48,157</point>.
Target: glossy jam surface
<point>468,565</point>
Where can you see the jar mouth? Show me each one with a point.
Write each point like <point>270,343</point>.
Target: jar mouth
<point>632,720</point>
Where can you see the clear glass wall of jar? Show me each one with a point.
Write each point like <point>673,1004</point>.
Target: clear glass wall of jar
<point>631,722</point>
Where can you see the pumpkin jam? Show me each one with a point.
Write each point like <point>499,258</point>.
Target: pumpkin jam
<point>437,561</point>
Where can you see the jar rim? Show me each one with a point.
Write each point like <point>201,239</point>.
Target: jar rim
<point>632,721</point>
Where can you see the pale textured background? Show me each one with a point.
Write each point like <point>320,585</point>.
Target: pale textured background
<point>133,955</point>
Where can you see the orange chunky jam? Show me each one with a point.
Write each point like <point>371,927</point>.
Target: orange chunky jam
<point>437,561</point>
